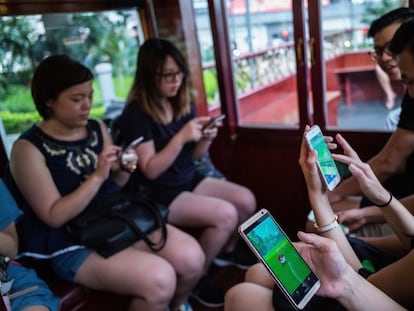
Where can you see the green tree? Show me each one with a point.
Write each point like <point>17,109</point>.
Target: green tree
<point>15,42</point>
<point>108,40</point>
<point>373,11</point>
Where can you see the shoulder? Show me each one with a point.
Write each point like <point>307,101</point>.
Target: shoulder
<point>23,146</point>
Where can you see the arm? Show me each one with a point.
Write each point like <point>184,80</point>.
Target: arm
<point>390,160</point>
<point>320,204</point>
<point>389,243</point>
<point>153,163</point>
<point>397,281</point>
<point>204,143</point>
<point>28,167</point>
<point>338,279</point>
<point>399,218</point>
<point>8,241</point>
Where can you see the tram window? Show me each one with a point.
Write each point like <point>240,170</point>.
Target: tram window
<point>107,42</point>
<point>264,63</point>
<point>263,53</point>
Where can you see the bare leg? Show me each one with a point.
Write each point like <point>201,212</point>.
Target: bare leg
<point>241,197</point>
<point>259,275</point>
<point>253,294</point>
<point>151,279</point>
<point>216,218</point>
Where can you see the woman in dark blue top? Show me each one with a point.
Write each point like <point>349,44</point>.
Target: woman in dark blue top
<point>58,166</point>
<point>159,109</point>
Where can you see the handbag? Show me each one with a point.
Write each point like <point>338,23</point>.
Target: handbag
<point>116,220</point>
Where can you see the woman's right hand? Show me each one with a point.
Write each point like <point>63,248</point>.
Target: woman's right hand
<point>106,158</point>
<point>193,129</point>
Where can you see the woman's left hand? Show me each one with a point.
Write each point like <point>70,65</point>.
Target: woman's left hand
<point>307,161</point>
<point>210,134</point>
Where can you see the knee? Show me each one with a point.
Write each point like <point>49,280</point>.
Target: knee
<point>191,261</point>
<point>227,216</point>
<point>160,286</point>
<point>232,298</point>
<point>246,202</point>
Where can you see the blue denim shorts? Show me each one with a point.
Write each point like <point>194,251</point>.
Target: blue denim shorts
<point>67,264</point>
<point>24,278</point>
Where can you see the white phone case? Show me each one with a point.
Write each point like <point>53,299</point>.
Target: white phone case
<point>327,167</point>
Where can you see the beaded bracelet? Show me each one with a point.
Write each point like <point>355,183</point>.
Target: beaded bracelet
<point>386,204</point>
<point>328,227</point>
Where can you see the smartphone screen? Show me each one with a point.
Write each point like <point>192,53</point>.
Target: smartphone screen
<point>274,249</point>
<point>327,166</point>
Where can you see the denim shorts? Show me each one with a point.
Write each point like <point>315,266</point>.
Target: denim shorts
<point>24,278</point>
<point>67,264</point>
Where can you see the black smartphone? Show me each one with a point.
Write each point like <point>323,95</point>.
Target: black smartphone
<point>277,253</point>
<point>213,122</point>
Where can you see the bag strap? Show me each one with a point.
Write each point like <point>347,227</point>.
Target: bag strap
<point>155,246</point>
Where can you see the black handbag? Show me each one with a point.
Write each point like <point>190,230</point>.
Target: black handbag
<point>114,221</point>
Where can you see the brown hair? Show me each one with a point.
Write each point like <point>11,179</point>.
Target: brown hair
<point>150,61</point>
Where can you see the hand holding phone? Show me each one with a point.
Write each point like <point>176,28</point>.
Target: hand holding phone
<point>274,249</point>
<point>212,123</point>
<point>126,157</point>
<point>327,167</point>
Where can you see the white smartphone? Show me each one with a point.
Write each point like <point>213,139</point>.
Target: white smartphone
<point>213,121</point>
<point>327,167</point>
<point>124,155</point>
<point>274,249</point>
<point>133,144</point>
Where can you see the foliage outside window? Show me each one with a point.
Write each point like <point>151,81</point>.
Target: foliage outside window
<point>91,38</point>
